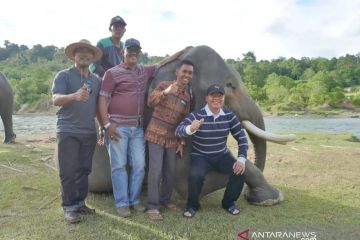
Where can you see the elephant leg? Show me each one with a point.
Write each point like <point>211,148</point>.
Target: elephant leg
<point>8,127</point>
<point>258,190</point>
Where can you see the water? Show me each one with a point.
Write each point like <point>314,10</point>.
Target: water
<point>33,124</point>
<point>45,124</point>
<point>314,124</point>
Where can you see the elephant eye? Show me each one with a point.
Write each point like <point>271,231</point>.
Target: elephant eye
<point>230,85</point>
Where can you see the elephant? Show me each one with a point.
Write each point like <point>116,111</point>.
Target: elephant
<point>6,108</point>
<point>210,68</point>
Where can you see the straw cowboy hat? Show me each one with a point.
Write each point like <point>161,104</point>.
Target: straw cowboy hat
<point>69,50</point>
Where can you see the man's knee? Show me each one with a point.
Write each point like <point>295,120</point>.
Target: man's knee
<point>193,179</point>
<point>117,164</point>
<point>239,178</point>
<point>138,164</point>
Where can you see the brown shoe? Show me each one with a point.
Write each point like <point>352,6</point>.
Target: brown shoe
<point>138,207</point>
<point>85,210</point>
<point>154,214</point>
<point>124,211</point>
<point>72,217</point>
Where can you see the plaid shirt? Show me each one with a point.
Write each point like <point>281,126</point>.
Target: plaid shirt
<point>168,112</point>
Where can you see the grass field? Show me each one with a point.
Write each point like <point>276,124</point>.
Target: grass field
<point>318,174</point>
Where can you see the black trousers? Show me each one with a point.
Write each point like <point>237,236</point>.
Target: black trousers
<point>75,153</point>
<point>201,165</point>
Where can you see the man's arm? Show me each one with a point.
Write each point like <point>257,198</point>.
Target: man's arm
<point>62,99</point>
<point>61,96</point>
<point>188,126</point>
<point>239,134</point>
<point>103,105</point>
<point>157,95</point>
<point>102,110</point>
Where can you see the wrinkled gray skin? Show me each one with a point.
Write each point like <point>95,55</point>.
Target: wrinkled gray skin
<point>6,108</point>
<point>209,69</point>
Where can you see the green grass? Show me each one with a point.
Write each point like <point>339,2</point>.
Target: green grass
<point>318,174</point>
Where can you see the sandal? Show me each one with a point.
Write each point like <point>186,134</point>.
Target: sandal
<point>170,206</point>
<point>189,212</point>
<point>233,210</point>
<point>154,214</point>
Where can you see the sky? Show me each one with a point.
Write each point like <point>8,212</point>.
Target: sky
<point>269,28</point>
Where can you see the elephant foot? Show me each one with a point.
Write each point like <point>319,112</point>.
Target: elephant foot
<point>10,139</point>
<point>263,196</point>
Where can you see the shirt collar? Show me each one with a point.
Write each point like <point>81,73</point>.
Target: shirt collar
<point>210,113</point>
<point>126,66</point>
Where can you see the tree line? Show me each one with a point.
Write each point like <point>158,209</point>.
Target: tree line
<point>277,85</point>
<point>299,84</point>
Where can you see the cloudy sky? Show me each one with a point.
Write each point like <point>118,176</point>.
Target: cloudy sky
<point>270,28</point>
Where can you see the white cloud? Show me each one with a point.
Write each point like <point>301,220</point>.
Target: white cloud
<point>270,28</point>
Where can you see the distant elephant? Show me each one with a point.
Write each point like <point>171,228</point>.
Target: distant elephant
<point>6,108</point>
<point>210,68</point>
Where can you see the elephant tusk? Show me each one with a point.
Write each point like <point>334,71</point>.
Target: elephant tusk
<point>276,138</point>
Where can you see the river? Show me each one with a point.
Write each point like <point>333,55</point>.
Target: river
<point>35,124</point>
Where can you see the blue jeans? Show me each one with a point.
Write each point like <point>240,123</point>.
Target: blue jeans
<point>129,149</point>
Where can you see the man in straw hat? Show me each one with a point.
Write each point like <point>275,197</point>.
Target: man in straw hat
<point>76,90</point>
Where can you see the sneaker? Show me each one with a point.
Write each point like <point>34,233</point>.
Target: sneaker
<point>154,214</point>
<point>189,212</point>
<point>124,211</point>
<point>85,210</point>
<point>138,207</point>
<point>72,217</point>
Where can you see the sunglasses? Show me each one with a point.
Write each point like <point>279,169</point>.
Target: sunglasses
<point>135,50</point>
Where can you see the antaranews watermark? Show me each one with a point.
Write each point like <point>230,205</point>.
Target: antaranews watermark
<point>247,235</point>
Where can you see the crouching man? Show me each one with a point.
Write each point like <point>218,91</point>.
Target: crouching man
<point>209,128</point>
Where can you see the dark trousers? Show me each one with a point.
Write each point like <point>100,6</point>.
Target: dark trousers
<point>75,153</point>
<point>201,165</point>
<point>161,175</point>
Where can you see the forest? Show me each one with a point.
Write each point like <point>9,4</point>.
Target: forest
<point>278,85</point>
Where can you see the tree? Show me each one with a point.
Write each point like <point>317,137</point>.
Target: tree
<point>336,97</point>
<point>256,92</point>
<point>38,52</point>
<point>320,85</point>
<point>300,95</point>
<point>254,75</point>
<point>249,57</point>
<point>278,88</point>
<point>348,68</point>
<point>307,74</point>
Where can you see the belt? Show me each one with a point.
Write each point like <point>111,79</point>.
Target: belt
<point>130,122</point>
